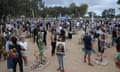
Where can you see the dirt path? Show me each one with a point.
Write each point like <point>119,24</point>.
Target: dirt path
<point>73,58</point>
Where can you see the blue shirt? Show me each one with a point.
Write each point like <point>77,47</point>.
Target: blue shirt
<point>7,46</point>
<point>87,42</point>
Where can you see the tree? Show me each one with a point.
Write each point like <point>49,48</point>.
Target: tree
<point>118,2</point>
<point>72,8</point>
<point>19,7</point>
<point>105,13</point>
<point>13,7</point>
<point>78,10</point>
<point>91,13</point>
<point>40,4</point>
<point>108,13</point>
<point>72,5</point>
<point>83,9</point>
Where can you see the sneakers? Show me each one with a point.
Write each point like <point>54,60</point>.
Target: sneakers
<point>10,70</point>
<point>60,70</point>
<point>24,67</point>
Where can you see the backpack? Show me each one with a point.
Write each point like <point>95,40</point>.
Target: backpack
<point>15,51</point>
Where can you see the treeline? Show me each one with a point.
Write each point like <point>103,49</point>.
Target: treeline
<point>15,8</point>
<point>72,10</point>
<point>28,8</point>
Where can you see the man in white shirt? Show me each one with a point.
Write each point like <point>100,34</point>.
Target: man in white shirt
<point>78,25</point>
<point>23,43</point>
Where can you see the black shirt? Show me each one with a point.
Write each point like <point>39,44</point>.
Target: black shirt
<point>16,50</point>
<point>35,32</point>
<point>44,35</point>
<point>118,44</point>
<point>114,33</point>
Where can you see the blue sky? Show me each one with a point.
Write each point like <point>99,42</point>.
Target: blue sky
<point>94,5</point>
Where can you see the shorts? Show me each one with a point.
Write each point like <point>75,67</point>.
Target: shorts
<point>41,53</point>
<point>88,52</point>
<point>10,63</point>
<point>24,53</point>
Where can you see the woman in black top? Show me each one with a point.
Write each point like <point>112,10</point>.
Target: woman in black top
<point>35,35</point>
<point>114,36</point>
<point>44,36</point>
<point>63,35</point>
<point>53,43</point>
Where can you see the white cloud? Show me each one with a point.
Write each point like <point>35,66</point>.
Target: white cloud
<point>94,5</point>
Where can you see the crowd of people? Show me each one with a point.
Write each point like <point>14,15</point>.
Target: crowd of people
<point>106,32</point>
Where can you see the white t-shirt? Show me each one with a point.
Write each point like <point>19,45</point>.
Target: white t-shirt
<point>83,34</point>
<point>99,31</point>
<point>23,44</point>
<point>78,24</point>
<point>9,26</point>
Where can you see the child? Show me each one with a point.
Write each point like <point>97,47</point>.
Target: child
<point>40,47</point>
<point>60,53</point>
<point>23,43</point>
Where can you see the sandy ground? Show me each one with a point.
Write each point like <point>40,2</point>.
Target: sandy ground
<point>73,58</point>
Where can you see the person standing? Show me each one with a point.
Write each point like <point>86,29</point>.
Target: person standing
<point>35,35</point>
<point>9,59</point>
<point>102,46</point>
<point>60,54</point>
<point>63,35</point>
<point>114,36</point>
<point>44,36</point>
<point>23,43</point>
<point>15,54</point>
<point>40,47</point>
<point>88,48</point>
<point>53,43</point>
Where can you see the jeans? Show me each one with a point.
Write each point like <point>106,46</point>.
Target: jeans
<point>113,40</point>
<point>20,62</point>
<point>61,62</point>
<point>53,47</point>
<point>10,63</point>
